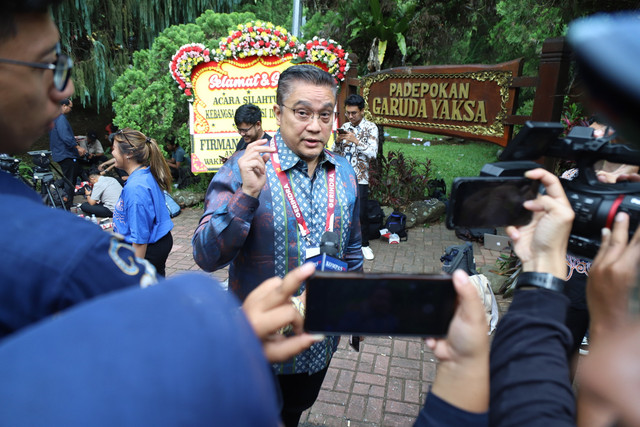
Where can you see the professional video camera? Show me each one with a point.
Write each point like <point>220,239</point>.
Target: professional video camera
<point>605,49</point>
<point>42,161</point>
<point>594,203</point>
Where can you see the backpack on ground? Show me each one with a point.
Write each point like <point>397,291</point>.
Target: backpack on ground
<point>172,206</point>
<point>397,224</point>
<point>437,189</point>
<point>376,219</point>
<point>459,257</point>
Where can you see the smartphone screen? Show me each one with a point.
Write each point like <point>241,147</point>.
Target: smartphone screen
<point>342,131</point>
<point>478,202</point>
<point>379,304</point>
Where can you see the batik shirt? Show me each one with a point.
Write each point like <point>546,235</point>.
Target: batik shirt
<point>360,155</point>
<point>259,237</point>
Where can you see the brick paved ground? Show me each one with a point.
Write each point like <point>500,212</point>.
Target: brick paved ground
<point>384,384</point>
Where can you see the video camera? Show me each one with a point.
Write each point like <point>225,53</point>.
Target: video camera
<point>42,161</point>
<point>9,164</point>
<point>605,48</point>
<point>595,204</point>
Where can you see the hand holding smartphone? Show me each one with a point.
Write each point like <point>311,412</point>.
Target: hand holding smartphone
<point>478,202</point>
<point>379,304</point>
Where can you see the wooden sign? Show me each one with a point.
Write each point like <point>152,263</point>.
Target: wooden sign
<point>469,101</point>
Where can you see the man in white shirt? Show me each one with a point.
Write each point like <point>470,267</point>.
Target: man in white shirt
<point>357,140</point>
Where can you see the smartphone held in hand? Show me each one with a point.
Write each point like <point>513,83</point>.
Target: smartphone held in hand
<point>478,202</point>
<point>379,304</point>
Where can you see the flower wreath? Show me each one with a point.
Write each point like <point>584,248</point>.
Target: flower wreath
<point>328,52</point>
<point>259,39</point>
<point>187,57</point>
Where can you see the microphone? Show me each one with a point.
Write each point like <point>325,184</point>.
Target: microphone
<point>326,261</point>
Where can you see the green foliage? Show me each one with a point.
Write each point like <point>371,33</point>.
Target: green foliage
<point>101,36</point>
<point>397,180</point>
<point>523,27</point>
<point>278,12</point>
<point>147,98</point>
<point>386,21</point>
<point>322,25</point>
<point>449,161</point>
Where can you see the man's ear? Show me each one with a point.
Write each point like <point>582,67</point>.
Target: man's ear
<point>277,111</point>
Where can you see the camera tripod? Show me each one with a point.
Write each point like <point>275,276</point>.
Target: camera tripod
<point>47,189</point>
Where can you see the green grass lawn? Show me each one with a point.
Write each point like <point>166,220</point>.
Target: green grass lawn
<point>448,159</point>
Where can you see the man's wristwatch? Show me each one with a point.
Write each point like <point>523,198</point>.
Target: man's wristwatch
<point>540,280</point>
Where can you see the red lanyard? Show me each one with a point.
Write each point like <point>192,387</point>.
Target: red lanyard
<point>288,192</point>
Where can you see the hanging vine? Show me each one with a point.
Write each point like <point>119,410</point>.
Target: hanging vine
<point>101,36</point>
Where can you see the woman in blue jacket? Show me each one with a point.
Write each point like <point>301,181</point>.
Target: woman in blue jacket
<point>141,215</point>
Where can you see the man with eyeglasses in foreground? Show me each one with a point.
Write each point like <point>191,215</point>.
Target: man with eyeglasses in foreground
<point>248,120</point>
<point>44,266</point>
<point>268,207</point>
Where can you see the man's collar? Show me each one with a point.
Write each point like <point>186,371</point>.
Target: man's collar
<point>288,159</point>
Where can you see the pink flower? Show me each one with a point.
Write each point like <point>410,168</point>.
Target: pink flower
<point>187,92</point>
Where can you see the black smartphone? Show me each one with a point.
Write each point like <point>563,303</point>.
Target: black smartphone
<point>379,304</point>
<point>342,131</point>
<point>478,202</point>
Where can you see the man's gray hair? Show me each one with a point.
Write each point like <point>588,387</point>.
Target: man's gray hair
<point>303,73</point>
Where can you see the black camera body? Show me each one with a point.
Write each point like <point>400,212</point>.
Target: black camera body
<point>42,161</point>
<point>9,164</point>
<point>595,204</point>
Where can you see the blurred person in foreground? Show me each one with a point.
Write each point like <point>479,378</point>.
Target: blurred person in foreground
<point>45,271</point>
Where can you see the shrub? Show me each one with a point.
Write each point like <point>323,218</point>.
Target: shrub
<point>396,180</point>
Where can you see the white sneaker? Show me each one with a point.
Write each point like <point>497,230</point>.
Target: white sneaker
<point>367,252</point>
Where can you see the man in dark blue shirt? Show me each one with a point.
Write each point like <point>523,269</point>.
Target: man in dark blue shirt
<point>65,150</point>
<point>43,269</point>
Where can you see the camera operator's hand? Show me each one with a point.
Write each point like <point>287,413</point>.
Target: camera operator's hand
<point>462,378</point>
<point>611,277</point>
<point>268,308</point>
<point>541,245</point>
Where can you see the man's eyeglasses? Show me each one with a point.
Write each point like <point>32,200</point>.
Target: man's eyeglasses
<point>351,113</point>
<point>61,68</point>
<point>304,115</point>
<point>245,131</point>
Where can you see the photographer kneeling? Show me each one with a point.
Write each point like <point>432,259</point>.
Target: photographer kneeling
<point>102,196</point>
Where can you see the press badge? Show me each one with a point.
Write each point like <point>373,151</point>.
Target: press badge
<point>311,252</point>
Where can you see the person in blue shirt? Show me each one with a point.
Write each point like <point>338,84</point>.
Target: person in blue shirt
<point>65,150</point>
<point>141,214</point>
